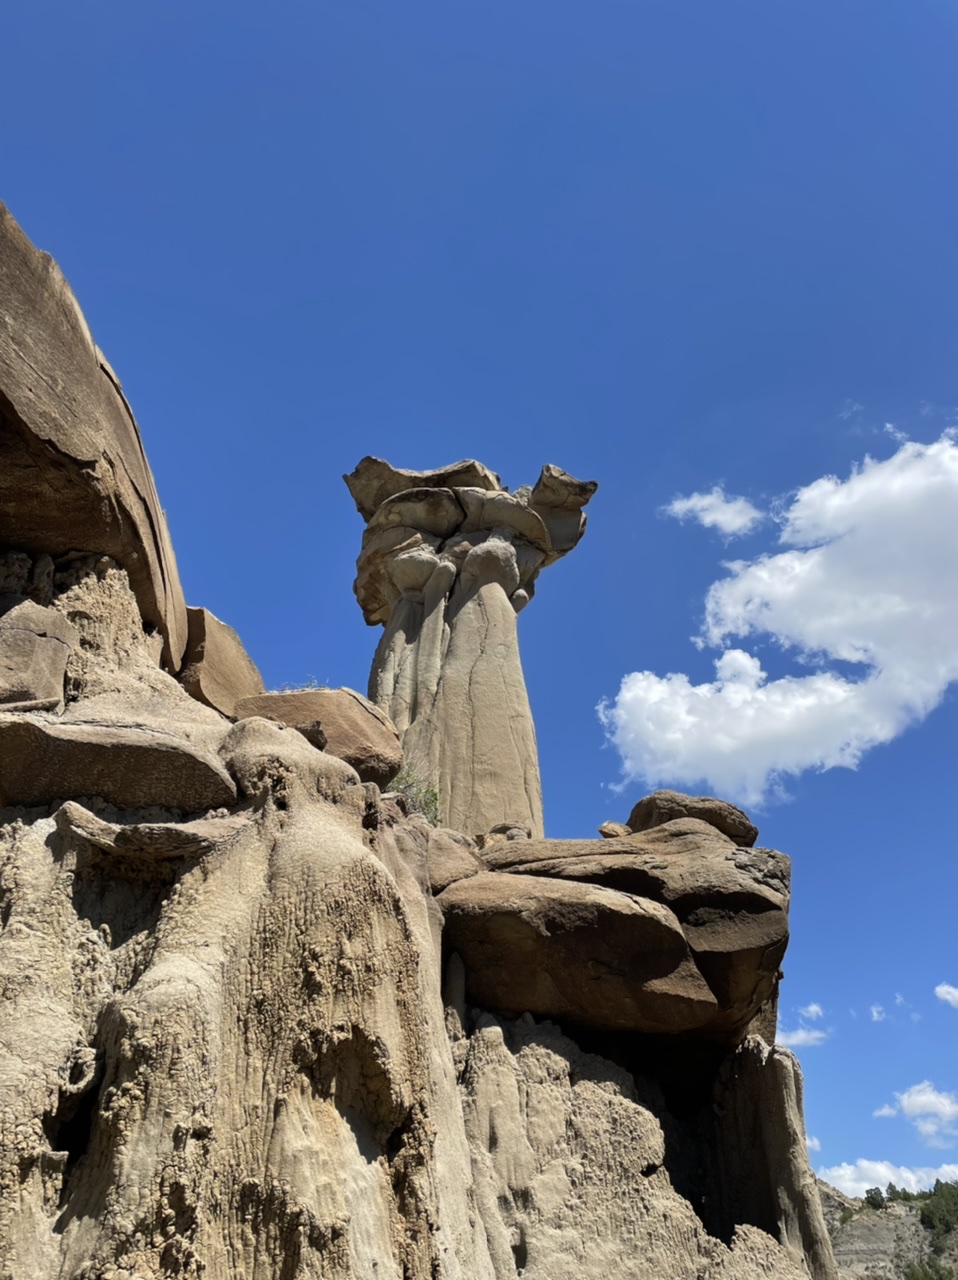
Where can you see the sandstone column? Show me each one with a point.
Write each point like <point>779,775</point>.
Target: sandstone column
<point>448,560</point>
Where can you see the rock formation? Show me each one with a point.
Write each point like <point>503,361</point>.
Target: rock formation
<point>448,560</point>
<point>260,1022</point>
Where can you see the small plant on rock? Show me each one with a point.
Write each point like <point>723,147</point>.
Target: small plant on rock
<point>421,797</point>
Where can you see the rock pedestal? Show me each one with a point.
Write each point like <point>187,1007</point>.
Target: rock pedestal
<point>448,560</point>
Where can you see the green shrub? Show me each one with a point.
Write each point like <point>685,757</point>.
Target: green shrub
<point>931,1269</point>
<point>875,1198</point>
<point>939,1213</point>
<point>421,797</point>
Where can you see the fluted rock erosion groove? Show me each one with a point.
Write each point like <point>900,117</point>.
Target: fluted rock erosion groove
<point>252,1019</point>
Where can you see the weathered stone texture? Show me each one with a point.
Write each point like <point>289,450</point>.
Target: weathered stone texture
<point>217,670</point>
<point>73,474</point>
<point>354,728</point>
<point>238,1028</point>
<point>448,560</point>
<point>35,643</point>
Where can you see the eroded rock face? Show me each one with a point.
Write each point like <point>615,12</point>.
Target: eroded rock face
<point>566,950</point>
<point>35,643</point>
<point>73,474</point>
<point>448,560</point>
<point>727,908</point>
<point>226,1047</point>
<point>217,670</point>
<point>353,727</point>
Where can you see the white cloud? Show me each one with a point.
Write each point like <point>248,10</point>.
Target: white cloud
<point>849,409</point>
<point>865,576</point>
<point>802,1038</point>
<point>945,991</point>
<point>715,510</point>
<point>855,1179</point>
<point>812,1011</point>
<point>933,1112</point>
<point>813,1144</point>
<point>877,1013</point>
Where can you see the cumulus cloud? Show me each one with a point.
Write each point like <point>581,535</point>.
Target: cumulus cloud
<point>933,1112</point>
<point>715,510</point>
<point>945,991</point>
<point>813,1144</point>
<point>855,1179</point>
<point>802,1037</point>
<point>812,1012</point>
<point>860,578</point>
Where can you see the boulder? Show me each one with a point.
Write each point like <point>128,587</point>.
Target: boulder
<point>35,643</point>
<point>610,830</point>
<point>664,806</point>
<point>577,952</point>
<point>732,903</point>
<point>217,670</point>
<point>356,730</point>
<point>73,474</point>
<point>45,762</point>
<point>450,856</point>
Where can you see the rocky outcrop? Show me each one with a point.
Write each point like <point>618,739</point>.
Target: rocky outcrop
<point>242,1033</point>
<point>666,806</point>
<point>448,559</point>
<point>35,643</point>
<point>728,905</point>
<point>217,670</point>
<point>73,474</point>
<point>882,1243</point>
<point>42,762</point>
<point>571,951</point>
<point>352,727</point>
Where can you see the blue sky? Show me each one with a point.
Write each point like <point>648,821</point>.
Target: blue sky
<point>676,248</point>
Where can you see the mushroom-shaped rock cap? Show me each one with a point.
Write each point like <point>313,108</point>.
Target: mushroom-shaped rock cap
<point>374,480</point>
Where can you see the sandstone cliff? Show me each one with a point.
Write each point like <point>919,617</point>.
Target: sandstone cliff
<point>260,1022</point>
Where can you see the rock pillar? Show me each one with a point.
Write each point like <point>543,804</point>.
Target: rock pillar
<point>448,560</point>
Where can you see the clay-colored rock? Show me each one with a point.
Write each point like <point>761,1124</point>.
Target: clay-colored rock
<point>612,830</point>
<point>374,480</point>
<point>450,857</point>
<point>223,1048</point>
<point>35,643</point>
<point>573,951</point>
<point>448,560</point>
<point>666,806</point>
<point>158,841</point>
<point>217,670</point>
<point>732,903</point>
<point>356,730</point>
<point>759,1114</point>
<point>562,1137</point>
<point>44,762</point>
<point>73,475</point>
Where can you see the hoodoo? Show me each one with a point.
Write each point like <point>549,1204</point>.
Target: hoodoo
<point>448,560</point>
<point>259,1020</point>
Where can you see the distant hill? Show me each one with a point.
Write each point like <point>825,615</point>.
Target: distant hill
<point>902,1237</point>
